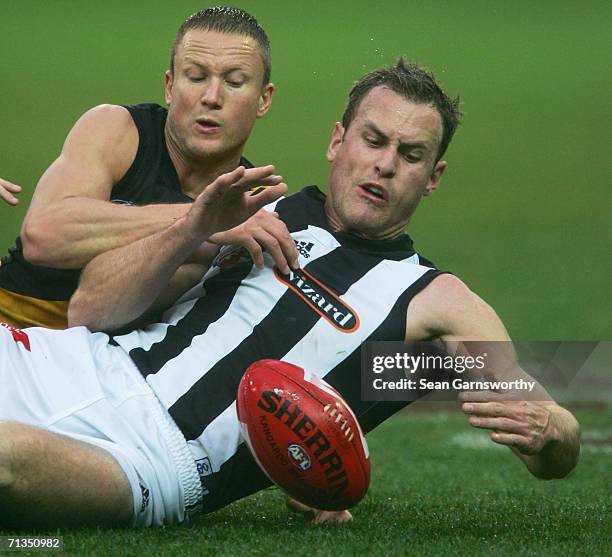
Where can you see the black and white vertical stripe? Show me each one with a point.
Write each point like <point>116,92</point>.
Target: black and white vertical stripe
<point>241,314</point>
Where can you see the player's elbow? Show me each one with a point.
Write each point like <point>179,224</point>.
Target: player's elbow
<point>75,314</point>
<point>35,236</point>
<point>80,313</point>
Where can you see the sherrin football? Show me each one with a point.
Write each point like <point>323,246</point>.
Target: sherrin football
<point>303,435</point>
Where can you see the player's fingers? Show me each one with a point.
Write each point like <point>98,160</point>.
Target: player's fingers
<point>222,183</point>
<point>269,195</point>
<point>255,251</point>
<point>258,173</point>
<point>240,179</point>
<point>490,409</point>
<point>271,229</point>
<point>255,186</point>
<point>319,516</point>
<point>481,396</point>
<point>336,517</point>
<point>511,440</point>
<point>252,176</point>
<point>278,229</point>
<point>274,248</point>
<point>498,424</point>
<point>9,186</point>
<point>8,197</point>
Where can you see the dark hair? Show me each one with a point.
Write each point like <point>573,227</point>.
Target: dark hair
<point>227,20</point>
<point>417,85</point>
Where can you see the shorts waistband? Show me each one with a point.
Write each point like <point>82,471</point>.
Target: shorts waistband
<point>186,469</point>
<point>178,449</point>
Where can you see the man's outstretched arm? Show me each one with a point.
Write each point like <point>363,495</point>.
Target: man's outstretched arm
<point>118,286</point>
<point>545,436</point>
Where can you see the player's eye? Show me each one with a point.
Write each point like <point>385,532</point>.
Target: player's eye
<point>235,79</point>
<point>197,78</point>
<point>411,156</point>
<point>373,141</point>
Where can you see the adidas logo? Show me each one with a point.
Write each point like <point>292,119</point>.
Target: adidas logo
<point>304,248</point>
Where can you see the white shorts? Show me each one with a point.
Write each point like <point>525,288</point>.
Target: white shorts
<point>74,383</point>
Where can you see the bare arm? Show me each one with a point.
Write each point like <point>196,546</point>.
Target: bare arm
<point>545,436</point>
<point>118,286</point>
<point>70,219</point>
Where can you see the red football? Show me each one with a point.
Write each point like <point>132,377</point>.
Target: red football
<point>303,435</point>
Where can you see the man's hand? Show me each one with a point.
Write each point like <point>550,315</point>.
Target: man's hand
<point>226,202</point>
<point>317,515</point>
<point>118,286</point>
<point>542,433</point>
<point>263,231</point>
<point>7,189</point>
<point>523,425</point>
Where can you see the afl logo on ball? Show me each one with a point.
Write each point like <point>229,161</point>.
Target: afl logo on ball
<point>298,456</point>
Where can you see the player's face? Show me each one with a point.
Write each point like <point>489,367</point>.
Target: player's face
<point>215,94</point>
<point>383,164</point>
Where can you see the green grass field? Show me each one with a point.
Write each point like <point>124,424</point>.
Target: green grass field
<point>523,216</point>
<point>438,487</point>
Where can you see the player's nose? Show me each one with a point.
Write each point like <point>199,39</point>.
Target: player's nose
<point>212,96</point>
<point>386,163</point>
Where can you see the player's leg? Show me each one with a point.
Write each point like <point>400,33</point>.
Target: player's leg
<point>49,480</point>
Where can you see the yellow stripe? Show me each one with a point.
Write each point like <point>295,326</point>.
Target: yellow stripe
<point>23,311</point>
<point>258,189</point>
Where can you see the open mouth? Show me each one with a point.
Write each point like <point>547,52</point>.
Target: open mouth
<point>207,125</point>
<point>374,192</point>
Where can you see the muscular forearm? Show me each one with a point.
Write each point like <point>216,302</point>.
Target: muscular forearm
<point>185,278</point>
<point>118,286</point>
<point>71,233</point>
<point>559,456</point>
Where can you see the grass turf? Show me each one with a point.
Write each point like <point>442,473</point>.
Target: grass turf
<point>438,488</point>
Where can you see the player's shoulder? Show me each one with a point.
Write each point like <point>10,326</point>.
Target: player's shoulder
<point>106,132</point>
<point>447,285</point>
<point>106,117</point>
<point>446,293</point>
<point>447,306</point>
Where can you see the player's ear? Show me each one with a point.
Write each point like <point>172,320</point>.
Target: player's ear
<point>336,141</point>
<point>265,100</point>
<point>169,78</point>
<point>436,176</point>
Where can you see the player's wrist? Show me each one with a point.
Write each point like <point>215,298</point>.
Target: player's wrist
<point>559,454</point>
<point>190,232</point>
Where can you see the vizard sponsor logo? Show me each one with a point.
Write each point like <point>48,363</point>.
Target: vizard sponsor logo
<point>321,299</point>
<point>315,441</point>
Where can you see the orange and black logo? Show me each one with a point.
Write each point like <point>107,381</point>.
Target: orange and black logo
<point>321,299</point>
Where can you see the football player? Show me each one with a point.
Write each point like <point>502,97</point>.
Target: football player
<point>126,172</point>
<point>141,429</point>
